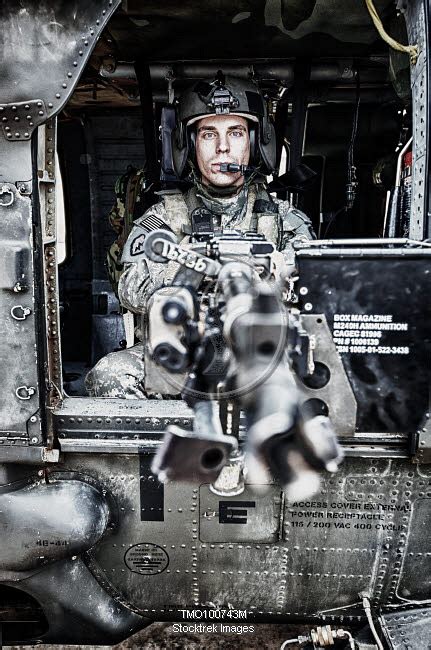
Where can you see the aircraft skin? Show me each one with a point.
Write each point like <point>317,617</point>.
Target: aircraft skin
<point>92,540</point>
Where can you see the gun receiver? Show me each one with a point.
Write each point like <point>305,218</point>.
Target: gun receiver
<point>224,322</point>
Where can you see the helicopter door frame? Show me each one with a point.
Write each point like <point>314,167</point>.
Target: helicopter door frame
<point>44,53</point>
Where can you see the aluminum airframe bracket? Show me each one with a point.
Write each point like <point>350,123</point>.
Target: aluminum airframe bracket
<point>337,393</point>
<point>423,453</point>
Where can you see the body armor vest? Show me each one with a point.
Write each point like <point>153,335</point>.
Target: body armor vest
<point>261,213</point>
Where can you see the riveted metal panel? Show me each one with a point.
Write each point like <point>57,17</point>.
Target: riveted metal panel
<point>361,532</point>
<point>417,30</point>
<point>420,138</point>
<point>244,576</point>
<point>408,630</point>
<point>45,47</point>
<point>241,518</point>
<point>171,584</point>
<point>97,419</point>
<point>19,380</point>
<point>418,553</point>
<point>297,567</point>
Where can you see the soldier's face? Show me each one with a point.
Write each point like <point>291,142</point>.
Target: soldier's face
<point>222,139</point>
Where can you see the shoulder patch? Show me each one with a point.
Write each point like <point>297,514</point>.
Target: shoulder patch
<point>150,221</point>
<point>137,245</point>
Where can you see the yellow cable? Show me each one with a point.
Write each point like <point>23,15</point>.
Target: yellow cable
<point>411,50</point>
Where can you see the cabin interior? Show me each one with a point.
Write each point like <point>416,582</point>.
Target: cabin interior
<point>340,99</point>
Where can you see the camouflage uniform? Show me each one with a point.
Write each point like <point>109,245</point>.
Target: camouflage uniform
<point>121,374</point>
<point>128,189</point>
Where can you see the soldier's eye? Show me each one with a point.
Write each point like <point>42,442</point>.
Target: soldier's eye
<point>237,134</point>
<point>209,135</point>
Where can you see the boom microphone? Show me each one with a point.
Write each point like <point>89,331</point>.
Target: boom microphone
<point>234,168</point>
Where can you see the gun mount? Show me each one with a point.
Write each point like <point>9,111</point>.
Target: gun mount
<point>223,322</point>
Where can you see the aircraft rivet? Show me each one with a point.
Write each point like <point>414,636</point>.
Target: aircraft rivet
<point>303,291</point>
<point>308,306</point>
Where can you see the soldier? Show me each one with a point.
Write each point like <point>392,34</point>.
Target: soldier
<point>219,122</point>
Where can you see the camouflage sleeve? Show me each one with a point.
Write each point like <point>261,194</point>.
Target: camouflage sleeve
<point>141,276</point>
<point>137,283</point>
<point>295,226</point>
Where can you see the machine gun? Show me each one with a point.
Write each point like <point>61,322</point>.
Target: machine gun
<point>223,325</point>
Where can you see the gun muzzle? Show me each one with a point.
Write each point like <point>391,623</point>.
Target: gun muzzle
<point>191,456</point>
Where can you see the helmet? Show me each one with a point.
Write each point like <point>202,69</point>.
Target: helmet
<point>223,96</point>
